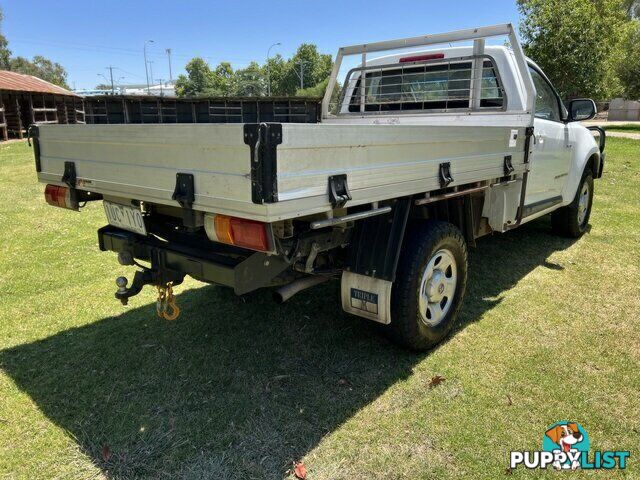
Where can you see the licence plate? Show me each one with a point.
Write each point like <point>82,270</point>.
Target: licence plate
<point>126,217</point>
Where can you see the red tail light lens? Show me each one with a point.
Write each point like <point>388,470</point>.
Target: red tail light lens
<point>59,197</point>
<point>239,232</point>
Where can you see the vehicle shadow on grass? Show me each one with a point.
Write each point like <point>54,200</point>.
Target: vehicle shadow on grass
<point>236,387</point>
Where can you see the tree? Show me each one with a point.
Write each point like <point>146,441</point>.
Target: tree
<point>278,70</point>
<point>5,53</point>
<point>198,80</point>
<point>224,80</point>
<point>629,64</point>
<point>40,67</point>
<point>576,42</point>
<point>251,81</point>
<point>308,63</point>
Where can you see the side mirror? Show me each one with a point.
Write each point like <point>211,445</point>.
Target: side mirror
<point>582,109</point>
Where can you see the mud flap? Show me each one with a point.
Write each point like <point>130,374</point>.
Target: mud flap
<point>366,297</point>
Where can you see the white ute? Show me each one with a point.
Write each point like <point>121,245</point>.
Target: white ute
<point>418,153</point>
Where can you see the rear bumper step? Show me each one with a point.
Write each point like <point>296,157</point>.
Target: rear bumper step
<point>244,275</point>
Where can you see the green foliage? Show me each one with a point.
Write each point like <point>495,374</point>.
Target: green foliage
<point>250,81</point>
<point>199,79</point>
<point>277,72</point>
<point>315,91</point>
<point>40,67</point>
<point>629,63</point>
<point>575,42</point>
<point>253,80</point>
<point>5,53</point>
<point>307,63</point>
<point>319,91</point>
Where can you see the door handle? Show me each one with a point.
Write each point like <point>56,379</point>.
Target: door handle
<point>539,138</point>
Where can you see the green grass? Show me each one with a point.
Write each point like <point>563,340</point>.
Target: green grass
<point>628,127</point>
<point>241,387</point>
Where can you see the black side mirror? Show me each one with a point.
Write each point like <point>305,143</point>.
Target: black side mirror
<point>582,109</point>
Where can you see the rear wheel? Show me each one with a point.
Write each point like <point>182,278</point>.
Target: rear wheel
<point>430,285</point>
<point>572,220</point>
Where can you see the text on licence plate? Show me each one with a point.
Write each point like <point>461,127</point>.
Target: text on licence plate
<point>126,217</point>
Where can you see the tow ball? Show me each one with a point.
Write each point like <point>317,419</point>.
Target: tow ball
<point>166,306</point>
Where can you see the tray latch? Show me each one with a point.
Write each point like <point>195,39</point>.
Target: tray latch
<point>339,190</point>
<point>445,174</point>
<point>508,166</point>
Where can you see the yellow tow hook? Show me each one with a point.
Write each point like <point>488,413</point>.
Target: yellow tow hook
<point>166,304</point>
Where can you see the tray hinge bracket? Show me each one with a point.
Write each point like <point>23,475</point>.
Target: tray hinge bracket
<point>445,174</point>
<point>33,135</point>
<point>263,140</point>
<point>339,193</point>
<point>69,176</point>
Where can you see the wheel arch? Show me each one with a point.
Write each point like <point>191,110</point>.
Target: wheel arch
<point>591,159</point>
<point>377,241</point>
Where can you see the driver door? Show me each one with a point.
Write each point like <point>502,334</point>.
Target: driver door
<point>551,155</point>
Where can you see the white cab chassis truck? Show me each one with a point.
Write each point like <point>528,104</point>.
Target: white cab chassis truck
<point>419,152</point>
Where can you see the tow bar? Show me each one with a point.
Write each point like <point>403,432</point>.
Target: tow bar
<point>166,306</point>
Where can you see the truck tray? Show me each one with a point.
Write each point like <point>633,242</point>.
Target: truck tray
<point>274,171</point>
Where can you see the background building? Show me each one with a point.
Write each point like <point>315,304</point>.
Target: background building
<point>25,99</point>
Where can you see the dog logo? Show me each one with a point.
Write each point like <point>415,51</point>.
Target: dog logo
<point>571,439</point>
<point>566,446</point>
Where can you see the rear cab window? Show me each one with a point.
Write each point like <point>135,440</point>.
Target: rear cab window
<point>444,86</point>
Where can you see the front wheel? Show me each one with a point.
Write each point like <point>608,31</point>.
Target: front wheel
<point>572,220</point>
<point>430,285</point>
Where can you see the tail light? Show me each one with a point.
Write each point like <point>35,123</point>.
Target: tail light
<point>240,232</point>
<point>60,197</point>
<point>422,58</point>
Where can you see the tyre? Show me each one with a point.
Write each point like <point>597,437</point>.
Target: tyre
<point>572,220</point>
<point>430,285</point>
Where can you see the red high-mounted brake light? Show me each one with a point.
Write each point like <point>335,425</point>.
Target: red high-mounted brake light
<point>422,58</point>
<point>240,232</point>
<point>60,197</point>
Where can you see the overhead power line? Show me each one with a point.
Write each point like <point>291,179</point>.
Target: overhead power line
<point>121,50</point>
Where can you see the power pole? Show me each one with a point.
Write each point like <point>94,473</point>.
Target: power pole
<point>169,56</point>
<point>301,74</point>
<point>113,90</point>
<point>151,70</point>
<point>269,69</point>
<point>146,70</point>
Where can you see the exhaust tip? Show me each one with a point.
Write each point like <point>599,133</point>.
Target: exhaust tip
<point>278,298</point>
<point>284,293</point>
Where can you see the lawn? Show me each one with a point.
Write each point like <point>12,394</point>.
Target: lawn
<point>242,387</point>
<point>624,127</point>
